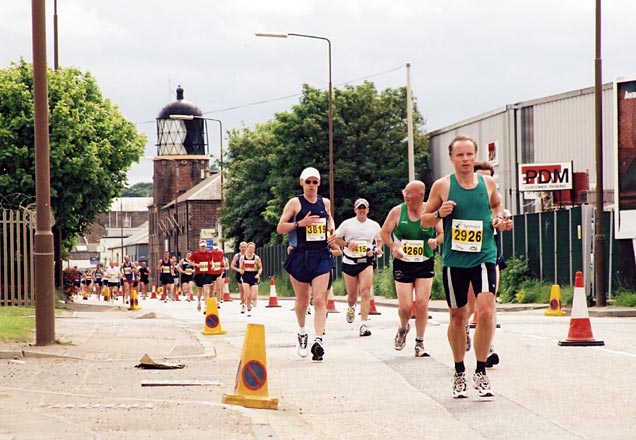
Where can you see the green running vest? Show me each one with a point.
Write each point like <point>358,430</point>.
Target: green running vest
<point>413,230</point>
<point>469,226</point>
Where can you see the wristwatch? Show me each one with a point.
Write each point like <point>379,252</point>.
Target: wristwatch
<point>437,214</point>
<point>295,225</point>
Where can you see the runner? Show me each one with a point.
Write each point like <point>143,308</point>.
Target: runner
<point>144,278</point>
<point>360,237</point>
<point>413,264</point>
<point>235,265</point>
<point>310,262</point>
<point>165,276</point>
<point>127,277</point>
<point>470,208</point>
<point>98,279</point>
<point>251,271</point>
<point>216,269</point>
<point>113,275</point>
<point>201,259</point>
<point>187,275</point>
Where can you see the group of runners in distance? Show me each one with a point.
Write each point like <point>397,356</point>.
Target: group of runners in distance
<point>463,213</point>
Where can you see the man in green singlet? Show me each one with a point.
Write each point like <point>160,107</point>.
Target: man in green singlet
<point>470,209</point>
<point>412,247</point>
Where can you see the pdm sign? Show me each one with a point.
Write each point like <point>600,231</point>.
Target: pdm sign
<point>545,176</point>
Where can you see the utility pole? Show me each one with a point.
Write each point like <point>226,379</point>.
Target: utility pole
<point>409,123</point>
<point>599,237</point>
<point>43,243</point>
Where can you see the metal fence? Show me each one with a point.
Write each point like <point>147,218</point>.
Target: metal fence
<point>16,258</point>
<point>555,244</point>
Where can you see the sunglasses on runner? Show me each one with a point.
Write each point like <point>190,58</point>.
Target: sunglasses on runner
<point>312,182</point>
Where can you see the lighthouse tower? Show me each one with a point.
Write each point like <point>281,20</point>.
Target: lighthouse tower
<point>181,163</point>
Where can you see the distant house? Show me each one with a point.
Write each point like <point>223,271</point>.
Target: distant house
<point>127,218</point>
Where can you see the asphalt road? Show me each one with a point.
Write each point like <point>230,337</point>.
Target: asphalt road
<point>87,386</point>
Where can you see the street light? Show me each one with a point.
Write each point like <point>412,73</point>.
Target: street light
<point>275,35</point>
<point>192,117</point>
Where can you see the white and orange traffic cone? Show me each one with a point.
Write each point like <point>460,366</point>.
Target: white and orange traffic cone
<point>331,303</point>
<point>580,333</point>
<point>153,294</point>
<point>372,308</point>
<point>273,297</point>
<point>226,291</point>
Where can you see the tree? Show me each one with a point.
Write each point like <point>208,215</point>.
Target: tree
<point>370,158</point>
<point>91,145</point>
<point>142,189</point>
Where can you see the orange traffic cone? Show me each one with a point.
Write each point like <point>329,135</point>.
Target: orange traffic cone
<point>153,294</point>
<point>134,300</point>
<point>226,291</point>
<point>555,301</point>
<point>176,295</point>
<point>331,304</point>
<point>580,333</point>
<point>372,309</point>
<point>250,388</point>
<point>473,323</point>
<point>162,293</point>
<point>273,298</point>
<point>212,319</point>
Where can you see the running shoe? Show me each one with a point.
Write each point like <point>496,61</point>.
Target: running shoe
<point>199,306</point>
<point>460,389</point>
<point>364,330</point>
<point>302,345</point>
<point>420,351</point>
<point>400,336</point>
<point>467,338</point>
<point>492,359</point>
<point>317,350</point>
<point>481,382</point>
<point>243,308</point>
<point>350,315</point>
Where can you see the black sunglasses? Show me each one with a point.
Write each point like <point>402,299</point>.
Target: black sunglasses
<point>312,182</point>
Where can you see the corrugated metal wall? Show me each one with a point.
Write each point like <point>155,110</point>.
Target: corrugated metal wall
<point>558,128</point>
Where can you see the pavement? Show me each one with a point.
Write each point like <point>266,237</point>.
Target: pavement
<point>86,384</point>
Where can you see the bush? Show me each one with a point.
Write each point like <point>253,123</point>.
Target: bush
<point>512,278</point>
<point>383,283</point>
<point>626,299</point>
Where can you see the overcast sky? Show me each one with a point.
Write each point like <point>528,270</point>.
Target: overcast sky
<point>467,56</point>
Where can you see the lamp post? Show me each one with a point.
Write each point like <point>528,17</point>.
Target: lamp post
<point>44,276</point>
<point>205,118</point>
<point>277,35</point>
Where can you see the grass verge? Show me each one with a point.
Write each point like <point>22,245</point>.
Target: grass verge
<point>17,324</point>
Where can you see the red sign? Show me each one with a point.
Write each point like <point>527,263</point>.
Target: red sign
<point>545,176</point>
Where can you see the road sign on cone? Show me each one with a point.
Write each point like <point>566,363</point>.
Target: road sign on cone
<point>226,291</point>
<point>331,303</point>
<point>212,319</point>
<point>250,387</point>
<point>555,300</point>
<point>273,297</point>
<point>580,333</point>
<point>372,308</point>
